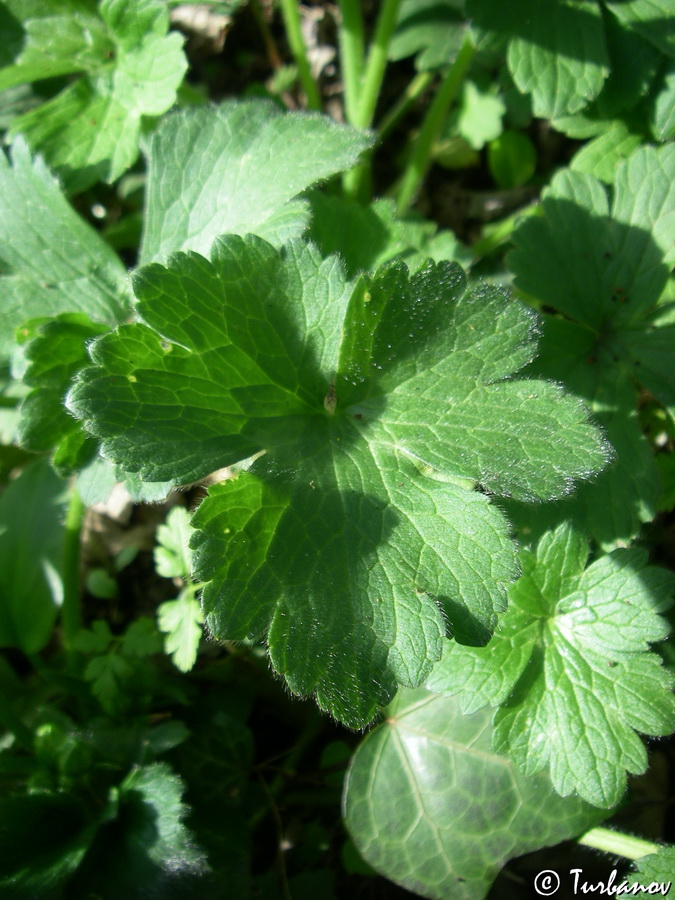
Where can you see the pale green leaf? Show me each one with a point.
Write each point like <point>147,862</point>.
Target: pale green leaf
<point>601,156</point>
<point>430,30</point>
<point>235,169</point>
<point>480,115</point>
<point>663,111</point>
<point>91,130</point>
<point>181,621</point>
<point>433,808</point>
<point>172,553</point>
<point>52,261</point>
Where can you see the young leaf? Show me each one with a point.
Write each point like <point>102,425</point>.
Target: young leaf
<point>31,540</point>
<point>570,667</point>
<point>90,131</point>
<point>336,543</point>
<point>181,621</point>
<point>172,553</point>
<point>51,260</point>
<point>432,807</point>
<point>237,168</point>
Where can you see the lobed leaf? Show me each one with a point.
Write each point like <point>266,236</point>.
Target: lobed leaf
<point>131,67</point>
<point>571,669</point>
<point>367,413</point>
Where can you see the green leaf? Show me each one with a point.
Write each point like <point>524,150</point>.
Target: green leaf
<point>657,867</point>
<point>51,260</point>
<point>108,674</point>
<point>54,351</point>
<point>570,667</point>
<point>600,156</point>
<point>480,114</point>
<point>43,839</point>
<point>432,807</point>
<point>47,39</point>
<point>650,18</point>
<point>556,51</point>
<point>181,621</point>
<point>663,111</point>
<point>607,272</point>
<point>357,531</point>
<point>31,539</point>
<point>147,843</point>
<point>367,237</point>
<point>512,159</point>
<point>94,640</point>
<point>237,168</point>
<point>141,638</point>
<point>430,30</point>
<point>90,131</point>
<point>172,553</point>
<point>634,62</point>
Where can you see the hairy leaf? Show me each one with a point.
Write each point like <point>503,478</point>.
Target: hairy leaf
<point>237,168</point>
<point>51,260</point>
<point>377,407</point>
<point>570,667</point>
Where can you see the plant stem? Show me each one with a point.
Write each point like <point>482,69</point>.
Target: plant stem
<point>352,50</point>
<point>13,724</point>
<point>377,63</point>
<point>420,159</point>
<point>617,843</point>
<point>71,615</point>
<point>291,15</point>
<point>417,86</point>
<point>357,181</point>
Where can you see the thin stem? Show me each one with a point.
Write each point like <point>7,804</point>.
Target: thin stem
<point>420,159</point>
<point>352,51</point>
<point>71,614</point>
<point>617,843</point>
<point>291,13</point>
<point>13,724</point>
<point>376,64</point>
<point>417,86</point>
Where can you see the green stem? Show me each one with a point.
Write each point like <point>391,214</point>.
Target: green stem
<point>13,724</point>
<point>352,51</point>
<point>357,182</point>
<point>420,159</point>
<point>377,63</point>
<point>617,843</point>
<point>417,86</point>
<point>291,14</point>
<point>71,615</point>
